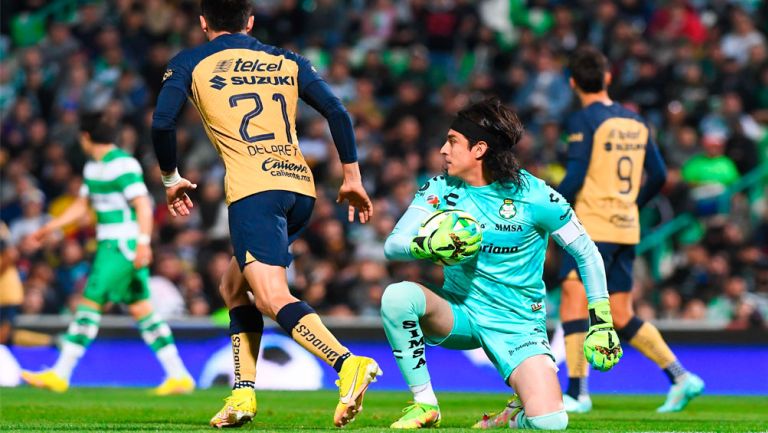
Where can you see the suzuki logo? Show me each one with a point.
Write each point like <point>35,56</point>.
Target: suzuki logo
<point>218,82</point>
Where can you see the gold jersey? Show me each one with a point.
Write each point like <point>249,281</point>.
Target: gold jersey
<point>247,95</point>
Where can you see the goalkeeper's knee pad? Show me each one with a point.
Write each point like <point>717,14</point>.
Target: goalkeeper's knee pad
<point>551,421</point>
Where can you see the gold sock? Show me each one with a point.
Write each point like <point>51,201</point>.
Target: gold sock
<point>649,342</point>
<point>245,353</point>
<point>312,335</point>
<point>574,355</point>
<point>22,337</point>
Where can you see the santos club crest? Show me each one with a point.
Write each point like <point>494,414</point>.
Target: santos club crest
<point>507,209</point>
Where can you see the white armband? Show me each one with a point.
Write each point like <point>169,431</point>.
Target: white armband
<point>171,179</point>
<point>143,239</point>
<point>569,232</point>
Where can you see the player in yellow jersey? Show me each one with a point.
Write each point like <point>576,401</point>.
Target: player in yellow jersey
<point>609,148</point>
<point>247,94</point>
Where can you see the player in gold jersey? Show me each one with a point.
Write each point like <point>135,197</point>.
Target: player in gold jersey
<point>609,148</point>
<point>247,94</point>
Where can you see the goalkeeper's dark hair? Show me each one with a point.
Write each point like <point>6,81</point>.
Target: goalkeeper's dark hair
<point>226,15</point>
<point>100,131</point>
<point>588,67</point>
<point>499,160</point>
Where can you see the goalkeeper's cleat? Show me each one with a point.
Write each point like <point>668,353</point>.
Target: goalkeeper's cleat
<point>173,386</point>
<point>418,415</point>
<point>583,404</point>
<point>47,379</point>
<point>356,374</point>
<point>681,393</point>
<point>505,418</point>
<point>239,408</point>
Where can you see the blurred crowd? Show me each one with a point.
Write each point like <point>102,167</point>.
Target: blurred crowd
<point>697,70</point>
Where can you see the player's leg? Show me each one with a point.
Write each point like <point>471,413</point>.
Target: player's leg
<point>109,272</point>
<point>644,336</point>
<point>259,225</point>
<point>573,316</point>
<point>410,314</point>
<point>80,334</point>
<point>157,335</point>
<point>246,326</point>
<point>539,395</point>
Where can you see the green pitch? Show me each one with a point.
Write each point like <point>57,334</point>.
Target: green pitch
<point>111,409</point>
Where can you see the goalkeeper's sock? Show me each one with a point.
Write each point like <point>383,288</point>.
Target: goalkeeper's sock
<point>246,326</point>
<point>675,371</point>
<point>80,334</point>
<point>304,325</point>
<point>424,394</point>
<point>578,369</point>
<point>644,337</point>
<point>401,307</point>
<point>157,335</point>
<point>551,421</point>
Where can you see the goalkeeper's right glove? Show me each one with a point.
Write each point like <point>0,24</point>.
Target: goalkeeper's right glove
<point>444,243</point>
<point>601,347</point>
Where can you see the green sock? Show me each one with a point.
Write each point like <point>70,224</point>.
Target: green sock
<point>80,334</point>
<point>401,307</point>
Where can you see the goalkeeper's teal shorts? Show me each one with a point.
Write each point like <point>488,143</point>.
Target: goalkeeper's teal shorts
<point>506,350</point>
<point>263,225</point>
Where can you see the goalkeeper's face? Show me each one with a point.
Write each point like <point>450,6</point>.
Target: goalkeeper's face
<point>459,159</point>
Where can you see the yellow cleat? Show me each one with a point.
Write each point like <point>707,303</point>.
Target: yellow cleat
<point>47,379</point>
<point>356,374</point>
<point>418,415</point>
<point>172,386</point>
<point>239,408</point>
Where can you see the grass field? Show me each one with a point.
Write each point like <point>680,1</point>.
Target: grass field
<point>109,409</point>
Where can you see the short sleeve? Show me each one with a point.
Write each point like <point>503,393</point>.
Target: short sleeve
<point>131,181</point>
<point>179,73</point>
<point>429,195</point>
<point>552,211</point>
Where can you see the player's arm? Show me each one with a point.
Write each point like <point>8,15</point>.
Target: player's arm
<point>405,243</point>
<point>655,174</point>
<point>143,207</point>
<point>601,347</point>
<point>315,92</point>
<point>75,212</point>
<point>8,253</point>
<point>170,101</point>
<point>579,151</point>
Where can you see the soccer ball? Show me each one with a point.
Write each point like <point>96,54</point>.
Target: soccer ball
<point>433,222</point>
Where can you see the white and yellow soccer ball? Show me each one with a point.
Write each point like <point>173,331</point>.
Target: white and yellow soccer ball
<point>464,220</point>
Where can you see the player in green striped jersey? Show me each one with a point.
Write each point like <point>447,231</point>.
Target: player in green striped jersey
<point>113,183</point>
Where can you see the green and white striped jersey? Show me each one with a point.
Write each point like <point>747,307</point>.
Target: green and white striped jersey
<point>110,185</point>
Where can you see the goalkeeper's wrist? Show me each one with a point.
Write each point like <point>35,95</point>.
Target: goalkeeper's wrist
<point>171,179</point>
<point>600,313</point>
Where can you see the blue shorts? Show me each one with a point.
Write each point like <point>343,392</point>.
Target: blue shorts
<point>8,313</point>
<point>506,350</point>
<point>263,225</point>
<point>618,260</point>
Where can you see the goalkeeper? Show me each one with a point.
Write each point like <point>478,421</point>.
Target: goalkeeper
<point>494,298</point>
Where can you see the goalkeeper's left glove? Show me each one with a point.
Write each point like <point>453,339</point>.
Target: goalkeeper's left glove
<point>601,347</point>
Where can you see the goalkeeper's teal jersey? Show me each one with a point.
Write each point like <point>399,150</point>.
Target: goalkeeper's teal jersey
<point>503,281</point>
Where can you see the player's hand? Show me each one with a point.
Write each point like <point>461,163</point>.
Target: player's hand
<point>359,202</point>
<point>179,203</point>
<point>444,243</point>
<point>34,241</point>
<point>143,256</point>
<point>601,347</point>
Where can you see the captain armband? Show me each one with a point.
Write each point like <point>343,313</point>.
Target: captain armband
<point>569,232</point>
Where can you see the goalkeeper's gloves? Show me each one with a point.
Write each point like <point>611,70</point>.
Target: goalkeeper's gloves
<point>601,347</point>
<point>444,243</point>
